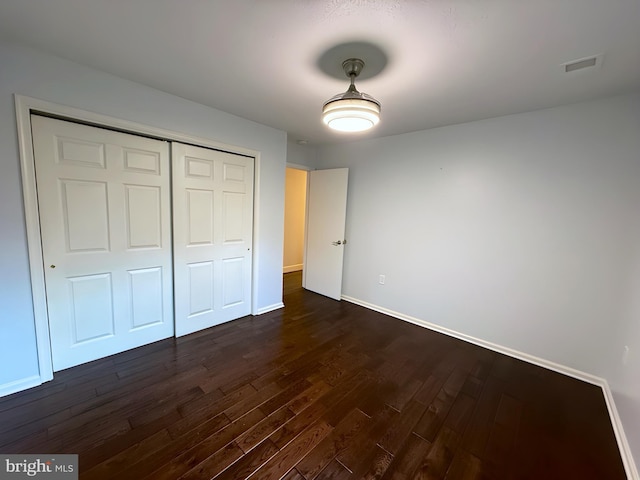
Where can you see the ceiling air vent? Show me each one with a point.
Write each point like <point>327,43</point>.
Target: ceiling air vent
<point>582,63</point>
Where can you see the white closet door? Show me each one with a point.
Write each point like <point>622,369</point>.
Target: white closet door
<point>212,222</point>
<point>104,201</point>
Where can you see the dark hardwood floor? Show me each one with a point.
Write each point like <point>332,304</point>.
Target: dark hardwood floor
<point>319,389</point>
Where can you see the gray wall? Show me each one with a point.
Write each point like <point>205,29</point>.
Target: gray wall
<point>42,76</point>
<point>301,155</point>
<point>523,231</point>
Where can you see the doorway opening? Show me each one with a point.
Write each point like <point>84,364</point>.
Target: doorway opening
<point>295,207</point>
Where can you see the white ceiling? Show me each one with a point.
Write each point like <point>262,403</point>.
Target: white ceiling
<point>447,61</point>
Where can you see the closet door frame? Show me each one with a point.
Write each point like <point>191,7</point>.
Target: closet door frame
<point>25,106</point>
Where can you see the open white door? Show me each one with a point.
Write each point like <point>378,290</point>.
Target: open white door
<point>325,239</point>
<point>212,224</point>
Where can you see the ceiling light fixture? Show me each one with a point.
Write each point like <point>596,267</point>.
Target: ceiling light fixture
<point>351,111</point>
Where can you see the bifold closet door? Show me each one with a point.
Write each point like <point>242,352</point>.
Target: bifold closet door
<point>105,217</point>
<point>212,223</point>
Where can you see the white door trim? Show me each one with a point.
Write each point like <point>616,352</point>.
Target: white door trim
<point>297,166</point>
<point>27,105</point>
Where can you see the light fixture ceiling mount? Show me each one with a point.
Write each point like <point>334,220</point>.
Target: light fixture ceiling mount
<point>351,111</point>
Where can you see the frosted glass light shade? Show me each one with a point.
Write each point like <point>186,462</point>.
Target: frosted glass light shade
<point>351,111</point>
<point>351,114</point>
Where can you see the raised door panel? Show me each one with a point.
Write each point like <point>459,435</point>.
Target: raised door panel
<point>201,296</point>
<point>145,294</point>
<point>85,215</point>
<point>233,212</point>
<point>79,152</point>
<point>233,281</point>
<point>143,211</point>
<point>199,168</point>
<point>199,216</point>
<point>91,309</point>
<point>142,161</point>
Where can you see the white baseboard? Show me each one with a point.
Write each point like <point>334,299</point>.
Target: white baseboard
<point>618,429</point>
<point>292,268</point>
<point>269,308</point>
<point>19,385</point>
<point>623,445</point>
<point>482,343</point>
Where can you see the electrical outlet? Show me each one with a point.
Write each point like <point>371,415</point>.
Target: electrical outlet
<point>381,279</point>
<point>625,355</point>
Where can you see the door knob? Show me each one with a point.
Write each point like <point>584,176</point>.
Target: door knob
<point>339,242</point>
<point>52,266</point>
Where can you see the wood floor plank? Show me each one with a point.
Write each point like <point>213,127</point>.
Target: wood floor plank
<point>335,471</point>
<point>477,435</point>
<point>290,455</point>
<point>57,405</point>
<point>193,457</point>
<point>308,396</point>
<point>163,406</point>
<point>264,429</point>
<point>204,421</point>
<point>320,389</point>
<point>340,409</point>
<point>212,403</point>
<point>136,460</point>
<point>284,397</point>
<point>293,475</point>
<point>91,434</point>
<point>248,403</point>
<point>375,465</point>
<point>251,462</point>
<point>38,442</point>
<point>436,462</point>
<point>367,439</point>
<point>213,465</point>
<point>429,390</point>
<point>120,461</point>
<point>398,432</point>
<point>403,393</point>
<point>409,459</point>
<point>332,445</point>
<point>430,423</point>
<point>298,424</point>
<point>121,449</point>
<point>32,428</point>
<point>465,466</point>
<point>460,414</point>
